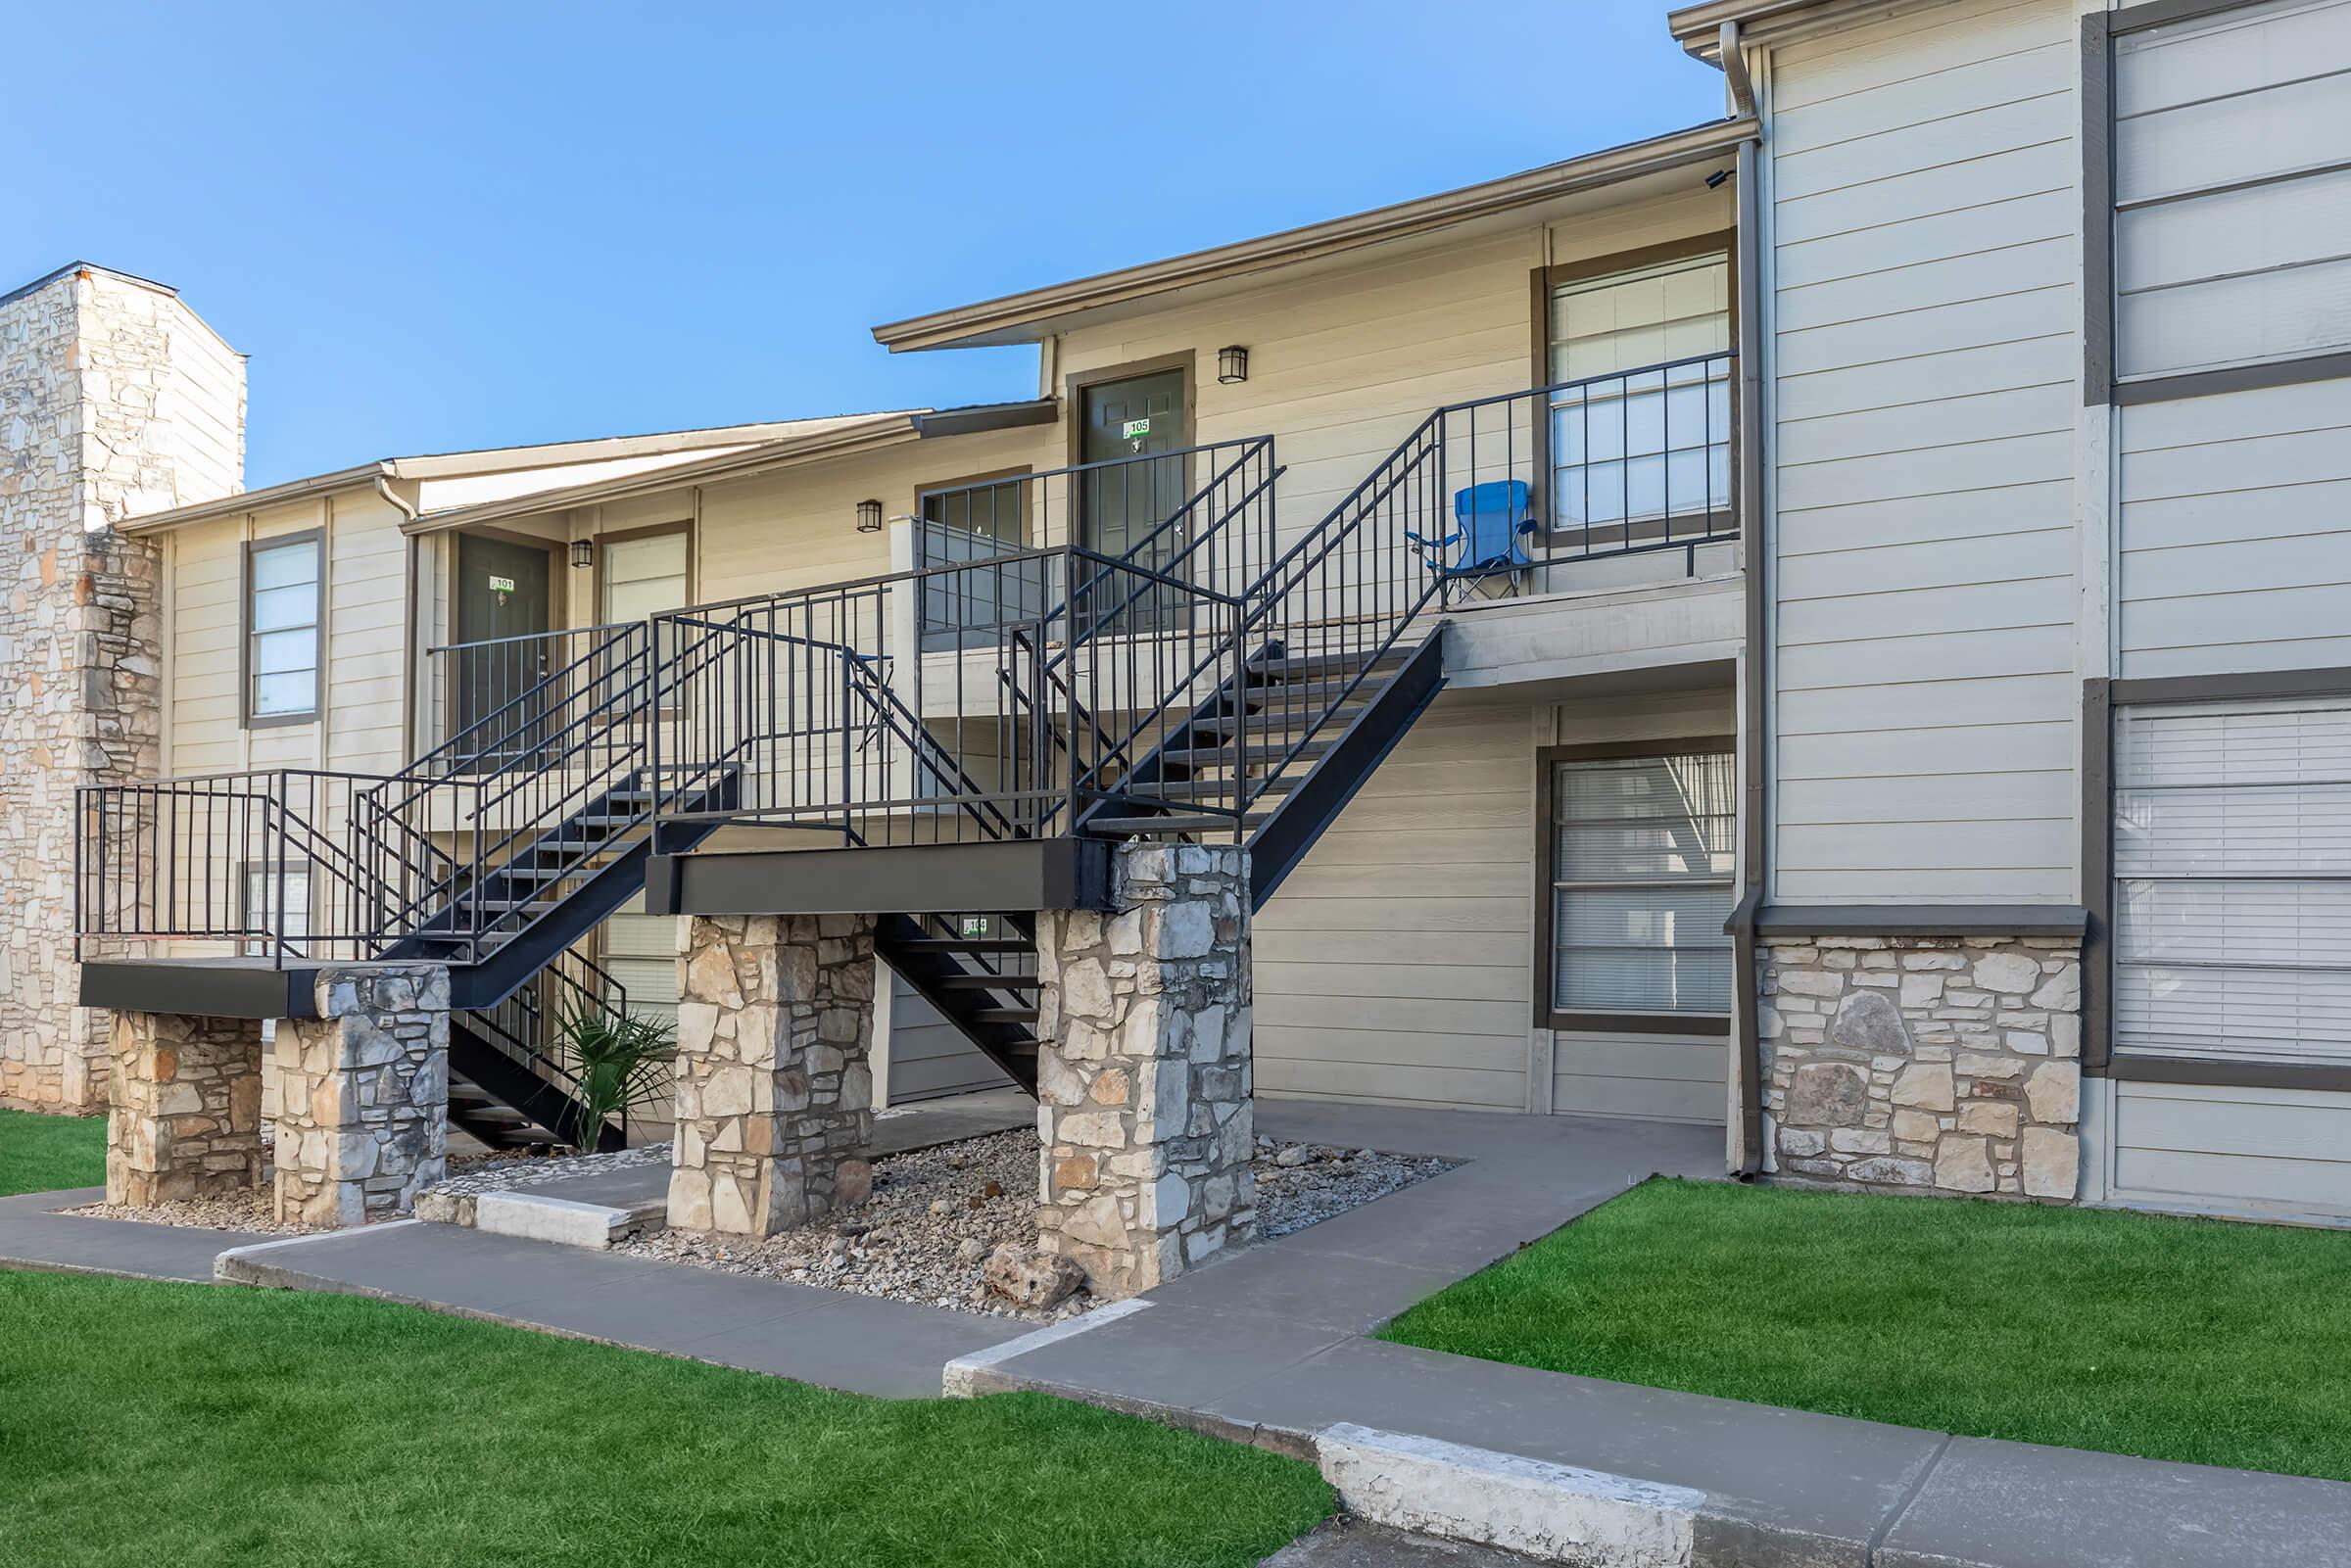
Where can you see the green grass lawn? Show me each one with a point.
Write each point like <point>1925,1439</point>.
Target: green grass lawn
<point>2173,1339</point>
<point>190,1424</point>
<point>41,1153</point>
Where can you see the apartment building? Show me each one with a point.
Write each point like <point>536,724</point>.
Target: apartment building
<point>1826,623</point>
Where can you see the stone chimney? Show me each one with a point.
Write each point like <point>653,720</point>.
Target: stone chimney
<point>116,400</point>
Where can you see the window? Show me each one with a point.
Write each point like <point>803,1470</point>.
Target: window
<point>644,574</point>
<point>282,603</point>
<point>2231,188</point>
<point>1639,866</point>
<point>266,912</point>
<point>1627,449</point>
<point>976,521</point>
<point>2233,882</point>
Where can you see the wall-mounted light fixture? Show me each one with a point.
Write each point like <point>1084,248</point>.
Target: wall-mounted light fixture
<point>869,517</point>
<point>1232,364</point>
<point>583,552</point>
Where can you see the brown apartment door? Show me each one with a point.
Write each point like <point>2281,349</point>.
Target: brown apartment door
<point>504,606</point>
<point>1121,507</point>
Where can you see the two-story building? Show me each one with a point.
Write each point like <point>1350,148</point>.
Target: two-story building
<point>1825,623</point>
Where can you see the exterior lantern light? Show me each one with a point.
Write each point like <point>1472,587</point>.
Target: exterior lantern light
<point>1232,364</point>
<point>869,517</point>
<point>583,552</point>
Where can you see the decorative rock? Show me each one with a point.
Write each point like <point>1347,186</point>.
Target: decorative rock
<point>1032,1279</point>
<point>1891,1173</point>
<point>2054,1092</point>
<point>1294,1154</point>
<point>2013,973</point>
<point>1925,1087</point>
<point>1963,1165</point>
<point>1868,1021</point>
<point>1831,1094</point>
<point>2052,1161</point>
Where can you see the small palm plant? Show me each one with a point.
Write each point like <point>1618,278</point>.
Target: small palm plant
<point>620,1060</point>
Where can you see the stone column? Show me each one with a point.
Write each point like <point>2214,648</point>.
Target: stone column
<point>775,1095</point>
<point>184,1108</point>
<point>1948,1065</point>
<point>362,1089</point>
<point>1144,1078</point>
<point>116,400</point>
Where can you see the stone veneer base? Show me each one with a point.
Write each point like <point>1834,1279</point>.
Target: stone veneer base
<point>773,1092</point>
<point>184,1115</point>
<point>362,1099</point>
<point>1144,1074</point>
<point>1946,1065</point>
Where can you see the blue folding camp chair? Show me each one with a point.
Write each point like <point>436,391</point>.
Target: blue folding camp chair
<point>1490,523</point>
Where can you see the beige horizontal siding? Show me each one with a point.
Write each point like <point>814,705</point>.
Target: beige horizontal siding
<point>1392,965</point>
<point>2278,1152</point>
<point>1926,312</point>
<point>2236,532</point>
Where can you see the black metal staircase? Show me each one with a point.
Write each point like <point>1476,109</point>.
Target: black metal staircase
<point>1006,712</point>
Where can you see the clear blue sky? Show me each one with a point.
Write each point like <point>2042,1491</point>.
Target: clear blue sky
<point>436,225</point>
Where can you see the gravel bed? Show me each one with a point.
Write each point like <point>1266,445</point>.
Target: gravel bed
<point>502,1171</point>
<point>937,1213</point>
<point>239,1210</point>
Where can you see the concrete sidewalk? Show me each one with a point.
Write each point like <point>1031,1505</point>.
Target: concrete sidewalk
<point>1272,1348</point>
<point>860,1344</point>
<point>31,1236</point>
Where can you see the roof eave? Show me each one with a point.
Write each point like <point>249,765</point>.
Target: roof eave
<point>1697,29</point>
<point>872,436</point>
<point>970,323</point>
<point>250,500</point>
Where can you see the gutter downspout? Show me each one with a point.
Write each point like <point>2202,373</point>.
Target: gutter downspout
<point>408,626</point>
<point>1754,740</point>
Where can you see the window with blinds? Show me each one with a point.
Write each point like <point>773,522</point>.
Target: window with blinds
<point>1653,443</point>
<point>2232,188</point>
<point>1641,865</point>
<point>2233,882</point>
<point>282,610</point>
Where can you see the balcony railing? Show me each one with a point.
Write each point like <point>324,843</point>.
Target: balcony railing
<point>999,689</point>
<point>833,718</point>
<point>1617,464</point>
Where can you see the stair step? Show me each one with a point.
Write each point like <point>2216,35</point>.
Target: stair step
<point>1283,667</point>
<point>1004,1015</point>
<point>1281,783</point>
<point>1257,755</point>
<point>986,982</point>
<point>972,945</point>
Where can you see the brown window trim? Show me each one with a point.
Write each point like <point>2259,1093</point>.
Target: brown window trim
<point>1543,279</point>
<point>247,718</point>
<point>1546,1017</point>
